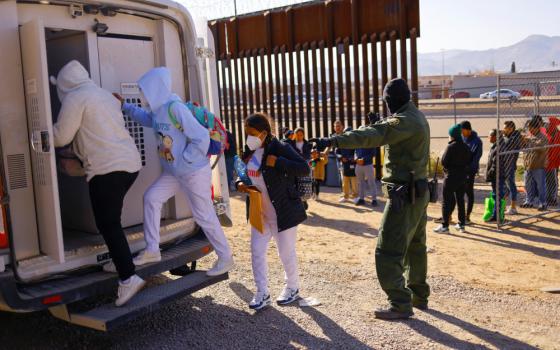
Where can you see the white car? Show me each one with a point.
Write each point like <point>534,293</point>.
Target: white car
<point>504,94</point>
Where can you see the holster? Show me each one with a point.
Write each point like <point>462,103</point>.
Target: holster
<point>398,195</point>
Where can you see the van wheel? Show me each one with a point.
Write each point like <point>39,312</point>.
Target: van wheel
<point>184,270</point>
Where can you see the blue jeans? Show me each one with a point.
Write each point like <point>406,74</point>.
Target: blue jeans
<point>511,186</point>
<point>229,170</point>
<point>535,184</point>
<point>501,195</point>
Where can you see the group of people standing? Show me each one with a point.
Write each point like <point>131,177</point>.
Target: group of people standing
<point>540,143</point>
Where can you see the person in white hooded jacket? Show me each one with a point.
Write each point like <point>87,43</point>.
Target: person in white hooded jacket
<point>90,119</point>
<point>183,148</point>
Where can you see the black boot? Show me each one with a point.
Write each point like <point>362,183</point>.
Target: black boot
<point>389,313</point>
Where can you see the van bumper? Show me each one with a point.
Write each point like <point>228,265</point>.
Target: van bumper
<point>18,297</point>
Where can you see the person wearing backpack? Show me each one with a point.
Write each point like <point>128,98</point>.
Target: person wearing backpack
<point>183,149</point>
<point>272,166</point>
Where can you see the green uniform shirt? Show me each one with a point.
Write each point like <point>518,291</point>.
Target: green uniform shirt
<point>406,137</point>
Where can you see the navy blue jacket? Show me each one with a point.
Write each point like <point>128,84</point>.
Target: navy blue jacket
<point>281,183</point>
<point>366,154</point>
<point>475,145</point>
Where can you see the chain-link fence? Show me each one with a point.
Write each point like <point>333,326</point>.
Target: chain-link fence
<point>527,147</point>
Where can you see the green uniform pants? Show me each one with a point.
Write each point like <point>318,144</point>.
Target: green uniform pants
<point>401,248</point>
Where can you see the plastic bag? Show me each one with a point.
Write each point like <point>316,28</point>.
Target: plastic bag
<point>489,208</point>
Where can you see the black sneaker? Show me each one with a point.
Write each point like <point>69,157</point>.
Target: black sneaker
<point>542,208</point>
<point>374,203</point>
<point>360,202</point>
<point>492,219</point>
<point>389,313</point>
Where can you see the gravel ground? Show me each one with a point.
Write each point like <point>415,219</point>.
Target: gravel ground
<point>336,259</point>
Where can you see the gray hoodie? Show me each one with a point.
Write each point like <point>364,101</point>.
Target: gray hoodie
<point>91,120</point>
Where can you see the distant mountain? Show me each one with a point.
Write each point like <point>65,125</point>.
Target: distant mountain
<point>535,53</point>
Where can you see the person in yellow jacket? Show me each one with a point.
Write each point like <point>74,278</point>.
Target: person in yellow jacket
<point>318,163</point>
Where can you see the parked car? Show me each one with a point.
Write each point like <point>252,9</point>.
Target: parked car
<point>503,94</point>
<point>460,94</point>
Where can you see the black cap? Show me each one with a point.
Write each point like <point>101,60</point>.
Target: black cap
<point>465,124</point>
<point>396,94</point>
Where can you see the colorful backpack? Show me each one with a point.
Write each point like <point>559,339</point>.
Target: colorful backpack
<point>218,135</point>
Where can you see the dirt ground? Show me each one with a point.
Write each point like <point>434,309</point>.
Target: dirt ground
<point>485,294</point>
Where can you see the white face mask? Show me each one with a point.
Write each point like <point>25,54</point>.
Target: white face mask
<point>253,142</point>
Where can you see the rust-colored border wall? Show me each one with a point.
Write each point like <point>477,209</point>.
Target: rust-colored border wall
<point>310,64</point>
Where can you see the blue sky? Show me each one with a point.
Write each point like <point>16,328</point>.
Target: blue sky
<point>445,24</point>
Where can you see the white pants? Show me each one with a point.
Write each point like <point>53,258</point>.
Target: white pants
<point>366,181</point>
<point>197,188</point>
<point>286,242</point>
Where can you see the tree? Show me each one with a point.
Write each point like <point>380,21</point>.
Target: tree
<point>512,67</point>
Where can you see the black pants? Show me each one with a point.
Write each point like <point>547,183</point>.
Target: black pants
<point>317,186</point>
<point>107,195</point>
<point>469,190</point>
<point>453,193</point>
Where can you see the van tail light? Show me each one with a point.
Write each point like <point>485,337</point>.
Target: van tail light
<point>3,216</point>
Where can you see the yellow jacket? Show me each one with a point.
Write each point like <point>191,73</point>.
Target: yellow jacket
<point>319,168</point>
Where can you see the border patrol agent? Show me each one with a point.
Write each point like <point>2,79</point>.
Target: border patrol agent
<point>401,246</point>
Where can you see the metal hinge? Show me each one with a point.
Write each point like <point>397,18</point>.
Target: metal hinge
<point>204,52</point>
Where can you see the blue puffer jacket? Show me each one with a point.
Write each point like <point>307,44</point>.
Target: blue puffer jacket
<point>475,145</point>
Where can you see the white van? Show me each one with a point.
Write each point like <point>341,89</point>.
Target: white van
<point>50,250</point>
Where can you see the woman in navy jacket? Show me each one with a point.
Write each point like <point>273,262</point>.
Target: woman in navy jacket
<point>272,166</point>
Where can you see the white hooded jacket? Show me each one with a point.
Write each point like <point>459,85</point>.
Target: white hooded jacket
<point>91,119</point>
<point>181,152</point>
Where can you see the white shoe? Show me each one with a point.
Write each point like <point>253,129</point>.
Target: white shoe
<point>129,289</point>
<point>460,228</point>
<point>220,267</point>
<point>110,267</point>
<point>260,300</point>
<point>287,296</point>
<point>511,211</point>
<point>342,200</point>
<point>441,229</point>
<point>146,257</point>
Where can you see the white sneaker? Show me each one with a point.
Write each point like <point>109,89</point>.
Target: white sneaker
<point>342,200</point>
<point>260,300</point>
<point>511,211</point>
<point>287,296</point>
<point>220,267</point>
<point>110,267</point>
<point>146,257</point>
<point>460,228</point>
<point>441,229</point>
<point>129,289</point>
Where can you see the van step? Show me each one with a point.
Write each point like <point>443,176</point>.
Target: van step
<point>80,286</point>
<point>108,316</point>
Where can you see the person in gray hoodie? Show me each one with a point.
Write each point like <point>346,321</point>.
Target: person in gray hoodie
<point>91,120</point>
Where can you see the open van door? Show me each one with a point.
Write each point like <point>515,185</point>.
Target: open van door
<point>39,121</point>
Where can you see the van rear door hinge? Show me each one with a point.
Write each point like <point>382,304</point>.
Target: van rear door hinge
<point>204,52</point>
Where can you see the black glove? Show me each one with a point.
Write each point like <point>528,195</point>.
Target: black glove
<point>322,143</point>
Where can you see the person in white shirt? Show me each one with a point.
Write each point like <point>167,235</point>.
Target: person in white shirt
<point>272,166</point>
<point>91,120</point>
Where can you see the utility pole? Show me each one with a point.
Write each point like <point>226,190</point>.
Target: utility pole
<point>442,73</point>
<point>235,7</point>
